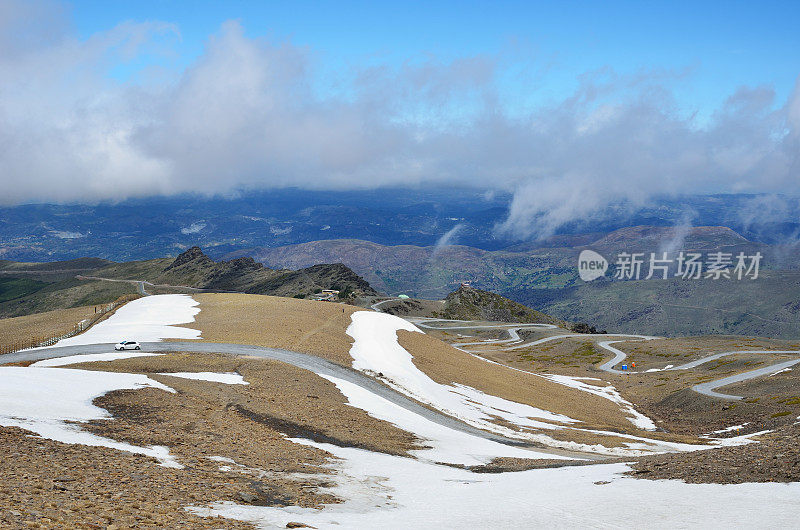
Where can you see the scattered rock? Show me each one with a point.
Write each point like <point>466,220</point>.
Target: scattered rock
<point>247,497</point>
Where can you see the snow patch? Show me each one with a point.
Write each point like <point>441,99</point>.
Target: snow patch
<point>607,392</point>
<point>222,459</point>
<point>726,429</point>
<point>90,358</point>
<point>229,378</point>
<point>667,367</point>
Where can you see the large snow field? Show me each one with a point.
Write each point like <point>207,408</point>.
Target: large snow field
<point>52,402</point>
<point>385,491</point>
<point>376,350</point>
<point>148,319</point>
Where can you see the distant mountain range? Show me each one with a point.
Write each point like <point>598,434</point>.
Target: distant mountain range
<point>153,227</point>
<point>433,271</point>
<point>547,279</point>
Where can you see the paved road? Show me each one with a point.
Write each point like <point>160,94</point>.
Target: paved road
<point>584,335</point>
<point>708,388</point>
<point>619,355</point>
<point>141,283</point>
<point>376,306</point>
<point>301,360</point>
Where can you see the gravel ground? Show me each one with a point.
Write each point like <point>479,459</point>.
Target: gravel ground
<point>775,459</point>
<point>47,484</point>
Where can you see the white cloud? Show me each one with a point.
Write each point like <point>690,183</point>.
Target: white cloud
<point>193,228</point>
<point>246,115</point>
<point>447,239</point>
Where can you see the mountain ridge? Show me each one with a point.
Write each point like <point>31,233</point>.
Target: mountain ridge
<point>27,288</point>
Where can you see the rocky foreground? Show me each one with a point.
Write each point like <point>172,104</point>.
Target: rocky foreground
<point>775,459</point>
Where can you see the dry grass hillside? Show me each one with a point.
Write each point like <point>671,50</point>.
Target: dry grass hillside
<point>48,324</point>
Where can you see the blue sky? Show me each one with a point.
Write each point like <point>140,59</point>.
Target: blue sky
<point>711,47</point>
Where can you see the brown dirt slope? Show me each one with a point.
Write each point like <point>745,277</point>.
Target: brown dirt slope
<point>447,365</point>
<point>68,486</point>
<point>306,326</point>
<point>47,484</point>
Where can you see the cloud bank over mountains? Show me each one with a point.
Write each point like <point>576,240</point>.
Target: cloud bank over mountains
<point>249,113</point>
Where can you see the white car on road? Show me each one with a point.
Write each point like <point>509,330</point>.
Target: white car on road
<point>127,345</point>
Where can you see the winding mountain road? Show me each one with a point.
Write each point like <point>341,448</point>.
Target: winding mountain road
<point>301,360</point>
<point>514,342</point>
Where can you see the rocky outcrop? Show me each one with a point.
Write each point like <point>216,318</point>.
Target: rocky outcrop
<point>468,303</point>
<point>193,255</point>
<point>244,274</point>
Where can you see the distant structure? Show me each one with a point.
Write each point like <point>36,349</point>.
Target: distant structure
<point>403,296</point>
<point>326,295</point>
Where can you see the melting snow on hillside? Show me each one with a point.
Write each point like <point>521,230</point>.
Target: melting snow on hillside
<point>148,319</point>
<point>44,400</point>
<point>376,350</point>
<point>446,444</point>
<point>386,491</point>
<point>605,392</point>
